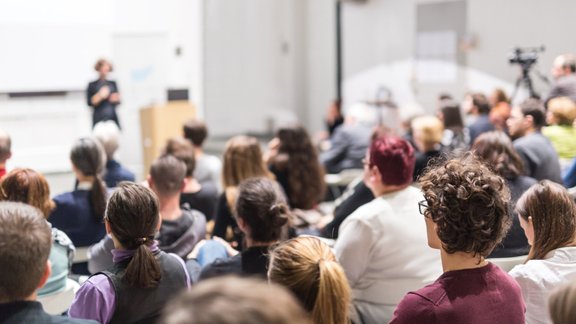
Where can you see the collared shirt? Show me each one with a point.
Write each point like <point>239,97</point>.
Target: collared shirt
<point>96,298</point>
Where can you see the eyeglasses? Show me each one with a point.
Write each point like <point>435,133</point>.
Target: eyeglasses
<point>423,207</point>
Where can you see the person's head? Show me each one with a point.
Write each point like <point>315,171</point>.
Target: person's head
<point>427,132</point>
<point>451,115</point>
<point>103,67</point>
<point>29,187</point>
<point>498,96</point>
<point>361,113</point>
<point>183,150</point>
<point>133,219</point>
<point>25,242</point>
<point>480,104</point>
<point>526,118</point>
<point>232,300</point>
<point>564,65</point>
<point>297,155</point>
<point>467,207</point>
<point>307,266</point>
<point>495,149</point>
<point>195,131</point>
<point>88,158</point>
<point>261,211</point>
<point>442,96</point>
<point>561,304</point>
<point>242,160</point>
<point>5,147</point>
<point>389,163</point>
<point>107,133</point>
<point>561,111</point>
<point>547,214</point>
<point>167,175</point>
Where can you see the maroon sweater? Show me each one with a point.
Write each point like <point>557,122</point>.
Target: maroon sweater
<point>472,296</point>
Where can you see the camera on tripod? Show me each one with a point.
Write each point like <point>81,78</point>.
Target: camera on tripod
<point>525,56</point>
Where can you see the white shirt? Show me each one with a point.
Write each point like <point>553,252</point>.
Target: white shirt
<point>539,278</point>
<point>383,248</point>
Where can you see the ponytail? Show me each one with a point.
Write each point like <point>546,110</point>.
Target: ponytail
<point>143,269</point>
<point>98,198</point>
<point>333,290</point>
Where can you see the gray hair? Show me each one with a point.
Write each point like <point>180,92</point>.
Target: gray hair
<point>107,133</point>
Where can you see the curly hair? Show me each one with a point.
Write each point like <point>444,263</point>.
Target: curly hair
<point>298,157</point>
<point>469,205</point>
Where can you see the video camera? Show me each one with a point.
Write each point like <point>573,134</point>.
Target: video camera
<point>525,56</point>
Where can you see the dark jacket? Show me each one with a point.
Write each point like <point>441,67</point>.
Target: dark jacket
<point>181,235</point>
<point>251,262</point>
<point>31,312</point>
<point>116,173</point>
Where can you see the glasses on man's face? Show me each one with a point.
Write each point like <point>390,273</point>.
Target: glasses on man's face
<point>423,207</point>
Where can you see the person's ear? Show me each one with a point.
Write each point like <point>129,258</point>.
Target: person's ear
<point>375,175</point>
<point>150,182</point>
<point>46,274</point>
<point>107,226</point>
<point>183,185</point>
<point>241,224</point>
<point>529,119</point>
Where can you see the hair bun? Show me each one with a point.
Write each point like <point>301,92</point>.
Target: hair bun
<point>279,214</point>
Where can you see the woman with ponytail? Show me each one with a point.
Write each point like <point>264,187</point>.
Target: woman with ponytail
<point>262,215</point>
<point>80,213</point>
<point>143,278</point>
<point>307,267</point>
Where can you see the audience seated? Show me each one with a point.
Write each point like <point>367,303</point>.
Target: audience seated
<point>560,118</point>
<point>293,160</point>
<point>143,278</point>
<point>561,304</point>
<point>79,213</point>
<point>496,151</point>
<point>564,73</point>
<point>208,168</point>
<point>349,142</point>
<point>108,133</point>
<point>479,110</point>
<point>569,177</point>
<point>466,215</point>
<point>195,195</point>
<point>382,245</point>
<point>262,215</point>
<point>548,217</point>
<point>501,109</point>
<point>307,267</point>
<point>5,151</point>
<point>235,301</point>
<point>30,187</point>
<point>427,134</point>
<point>242,160</point>
<point>25,242</point>
<point>539,157</point>
<point>455,137</point>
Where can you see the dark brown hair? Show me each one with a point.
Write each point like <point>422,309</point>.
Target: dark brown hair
<point>232,300</point>
<point>183,151</point>
<point>133,216</point>
<point>88,157</point>
<point>29,187</point>
<point>298,157</point>
<point>481,103</point>
<point>451,115</point>
<point>5,146</point>
<point>535,108</point>
<point>168,174</point>
<point>496,150</point>
<point>24,250</point>
<point>561,304</point>
<point>553,215</point>
<point>469,205</point>
<point>500,95</point>
<point>195,131</point>
<point>262,208</point>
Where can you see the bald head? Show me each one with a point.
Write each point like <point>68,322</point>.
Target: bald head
<point>5,146</point>
<point>564,64</point>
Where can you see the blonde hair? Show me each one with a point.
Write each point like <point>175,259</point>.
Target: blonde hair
<point>563,109</point>
<point>429,128</point>
<point>307,267</point>
<point>561,305</point>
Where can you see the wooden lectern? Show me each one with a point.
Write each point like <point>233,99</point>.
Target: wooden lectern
<point>158,123</point>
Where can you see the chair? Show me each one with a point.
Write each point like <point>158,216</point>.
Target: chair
<point>507,264</point>
<point>81,255</point>
<point>59,302</point>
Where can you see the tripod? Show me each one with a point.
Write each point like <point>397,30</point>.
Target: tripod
<point>526,80</point>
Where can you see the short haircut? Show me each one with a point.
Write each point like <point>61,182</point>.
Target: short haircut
<point>535,108</point>
<point>107,133</point>
<point>5,146</point>
<point>563,109</point>
<point>469,205</point>
<point>569,61</point>
<point>445,96</point>
<point>25,242</point>
<point>101,62</point>
<point>168,174</point>
<point>195,131</point>
<point>232,300</point>
<point>480,101</point>
<point>394,158</point>
<point>183,150</point>
<point>29,187</point>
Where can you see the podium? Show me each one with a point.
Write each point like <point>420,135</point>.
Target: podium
<point>158,123</point>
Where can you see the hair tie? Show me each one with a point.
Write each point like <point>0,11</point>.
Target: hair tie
<point>141,240</point>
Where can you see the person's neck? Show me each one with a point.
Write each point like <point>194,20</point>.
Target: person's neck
<point>460,261</point>
<point>251,243</point>
<point>198,151</point>
<point>192,185</point>
<point>530,131</point>
<point>84,178</point>
<point>387,189</point>
<point>170,207</point>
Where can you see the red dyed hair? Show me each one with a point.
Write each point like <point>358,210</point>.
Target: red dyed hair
<point>394,158</point>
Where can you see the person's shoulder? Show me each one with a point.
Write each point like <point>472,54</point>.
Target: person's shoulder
<point>221,267</point>
<point>68,320</point>
<point>416,307</point>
